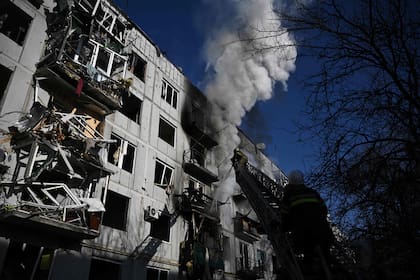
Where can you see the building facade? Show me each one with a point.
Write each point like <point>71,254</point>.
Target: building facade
<point>106,157</point>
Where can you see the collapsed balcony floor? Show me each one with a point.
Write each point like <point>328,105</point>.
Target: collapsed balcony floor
<point>19,225</point>
<point>95,98</point>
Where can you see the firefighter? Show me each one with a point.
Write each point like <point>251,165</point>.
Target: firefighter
<point>304,214</point>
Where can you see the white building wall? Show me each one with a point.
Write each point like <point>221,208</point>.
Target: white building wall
<point>138,186</point>
<point>21,60</point>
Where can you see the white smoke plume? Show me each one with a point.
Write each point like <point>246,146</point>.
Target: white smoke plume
<point>247,56</point>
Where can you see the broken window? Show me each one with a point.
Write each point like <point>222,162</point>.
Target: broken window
<point>196,185</point>
<point>45,261</point>
<point>121,153</point>
<point>118,30</point>
<point>244,260</point>
<point>260,258</point>
<point>106,60</point>
<point>116,206</point>
<point>227,252</point>
<point>96,55</point>
<point>26,261</point>
<point>108,19</point>
<point>131,107</point>
<point>5,74</point>
<point>169,94</point>
<point>138,67</point>
<point>102,61</point>
<point>160,228</point>
<point>197,152</point>
<point>49,196</point>
<point>117,65</point>
<point>87,5</point>
<point>100,13</point>
<point>166,132</point>
<point>200,187</point>
<point>84,51</point>
<point>14,23</point>
<point>101,269</point>
<point>163,174</point>
<point>105,16</point>
<point>156,274</point>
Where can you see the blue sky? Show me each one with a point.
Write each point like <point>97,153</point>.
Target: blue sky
<point>180,29</point>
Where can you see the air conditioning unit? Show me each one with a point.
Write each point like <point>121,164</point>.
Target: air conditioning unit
<point>151,214</point>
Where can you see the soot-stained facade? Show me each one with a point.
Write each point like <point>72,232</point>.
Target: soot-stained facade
<point>106,160</point>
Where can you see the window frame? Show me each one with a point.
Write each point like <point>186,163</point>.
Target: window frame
<point>261,257</point>
<point>33,259</point>
<point>197,186</point>
<point>244,255</point>
<point>173,99</point>
<point>107,18</point>
<point>156,230</point>
<point>97,47</point>
<point>6,75</point>
<point>161,182</point>
<point>163,135</point>
<point>13,12</point>
<point>198,152</point>
<point>127,96</point>
<point>92,59</point>
<point>159,271</point>
<point>135,59</point>
<point>124,220</point>
<point>123,146</point>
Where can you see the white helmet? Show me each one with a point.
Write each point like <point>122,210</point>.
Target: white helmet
<point>296,177</point>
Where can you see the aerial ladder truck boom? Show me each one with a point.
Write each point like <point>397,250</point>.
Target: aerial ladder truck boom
<point>265,196</point>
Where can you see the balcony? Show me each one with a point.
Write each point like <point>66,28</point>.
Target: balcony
<point>249,269</point>
<point>194,201</point>
<point>98,96</point>
<point>195,119</point>
<point>48,214</point>
<point>246,228</point>
<point>48,192</point>
<point>83,60</point>
<point>58,147</point>
<point>193,164</point>
<point>195,132</point>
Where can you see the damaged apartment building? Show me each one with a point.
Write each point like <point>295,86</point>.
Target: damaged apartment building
<point>106,157</point>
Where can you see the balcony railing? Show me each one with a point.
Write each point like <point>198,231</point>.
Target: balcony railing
<point>246,228</point>
<point>195,201</point>
<point>193,164</point>
<point>85,62</point>
<point>46,210</point>
<point>50,143</point>
<point>247,268</point>
<point>56,165</point>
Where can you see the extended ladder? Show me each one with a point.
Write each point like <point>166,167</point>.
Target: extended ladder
<point>265,195</point>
